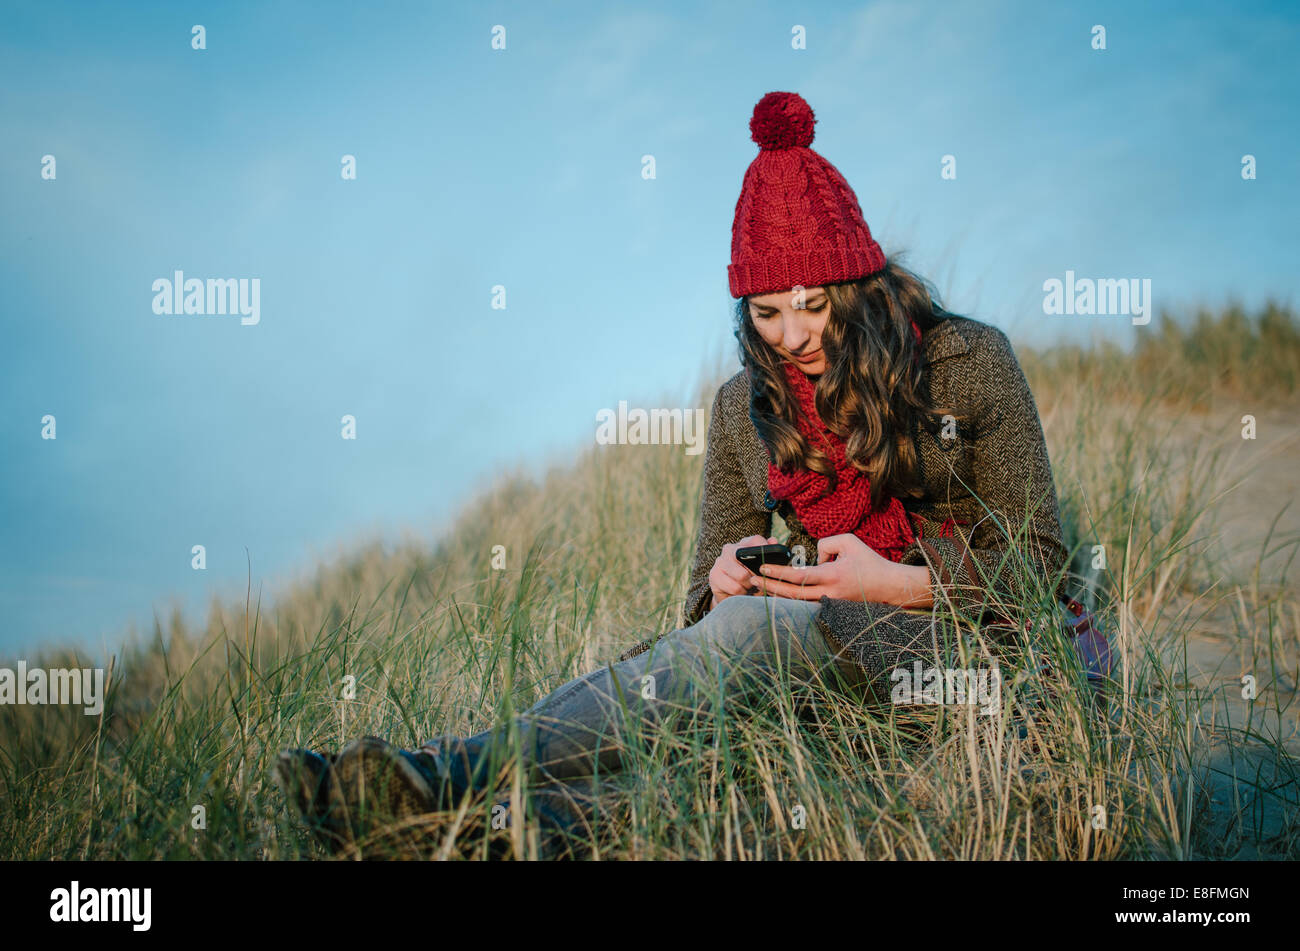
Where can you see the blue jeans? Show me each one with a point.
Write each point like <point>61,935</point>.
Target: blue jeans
<point>745,646</point>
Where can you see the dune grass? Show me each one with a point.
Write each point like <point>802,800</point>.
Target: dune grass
<point>1185,364</point>
<point>437,641</point>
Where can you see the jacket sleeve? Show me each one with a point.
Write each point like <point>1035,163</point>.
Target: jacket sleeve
<point>1017,531</point>
<point>727,513</point>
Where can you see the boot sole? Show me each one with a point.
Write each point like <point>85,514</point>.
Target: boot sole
<point>375,785</point>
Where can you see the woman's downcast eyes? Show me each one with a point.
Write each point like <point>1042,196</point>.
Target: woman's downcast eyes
<point>763,315</point>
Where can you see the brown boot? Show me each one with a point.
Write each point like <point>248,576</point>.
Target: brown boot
<point>305,779</point>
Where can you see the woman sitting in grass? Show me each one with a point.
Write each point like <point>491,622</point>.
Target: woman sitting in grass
<point>899,443</point>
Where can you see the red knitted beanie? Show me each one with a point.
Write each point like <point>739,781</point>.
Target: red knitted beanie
<point>797,220</point>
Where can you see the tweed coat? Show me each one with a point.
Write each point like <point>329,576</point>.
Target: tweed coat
<point>993,478</point>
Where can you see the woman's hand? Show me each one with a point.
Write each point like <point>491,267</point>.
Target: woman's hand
<point>728,577</point>
<point>849,569</point>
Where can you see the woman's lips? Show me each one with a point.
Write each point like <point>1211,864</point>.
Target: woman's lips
<point>810,357</point>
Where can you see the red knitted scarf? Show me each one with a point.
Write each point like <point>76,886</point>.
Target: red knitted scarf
<point>848,509</point>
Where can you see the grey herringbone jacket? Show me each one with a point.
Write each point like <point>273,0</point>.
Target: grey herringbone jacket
<point>994,479</point>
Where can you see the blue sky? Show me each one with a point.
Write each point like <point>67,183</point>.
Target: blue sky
<point>522,168</point>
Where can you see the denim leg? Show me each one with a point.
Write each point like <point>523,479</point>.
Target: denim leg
<point>737,650</point>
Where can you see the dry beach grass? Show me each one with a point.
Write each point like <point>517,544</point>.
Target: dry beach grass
<point>1150,463</point>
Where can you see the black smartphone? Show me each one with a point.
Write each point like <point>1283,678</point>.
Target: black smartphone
<point>755,556</point>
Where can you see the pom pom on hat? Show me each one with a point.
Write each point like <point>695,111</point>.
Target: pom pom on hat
<point>782,120</point>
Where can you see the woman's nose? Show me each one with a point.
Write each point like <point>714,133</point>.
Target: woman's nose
<point>795,335</point>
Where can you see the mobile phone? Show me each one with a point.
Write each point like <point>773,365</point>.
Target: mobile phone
<point>755,556</point>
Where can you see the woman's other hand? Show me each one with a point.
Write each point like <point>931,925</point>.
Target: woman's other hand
<point>728,577</point>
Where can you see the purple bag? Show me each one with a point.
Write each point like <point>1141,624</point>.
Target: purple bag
<point>1089,640</point>
<point>1084,631</point>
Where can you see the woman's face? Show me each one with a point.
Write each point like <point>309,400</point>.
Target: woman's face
<point>793,332</point>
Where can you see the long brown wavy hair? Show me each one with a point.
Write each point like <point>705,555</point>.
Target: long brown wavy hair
<point>873,393</point>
